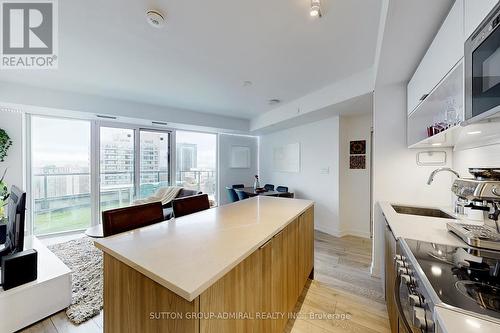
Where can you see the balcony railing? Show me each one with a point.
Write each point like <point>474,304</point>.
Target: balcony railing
<point>62,191</point>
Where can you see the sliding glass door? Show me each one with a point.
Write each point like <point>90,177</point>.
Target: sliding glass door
<point>60,175</point>
<point>80,168</point>
<point>154,151</point>
<point>117,167</point>
<point>196,161</point>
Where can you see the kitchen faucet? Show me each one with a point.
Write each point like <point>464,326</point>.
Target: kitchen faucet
<point>433,173</point>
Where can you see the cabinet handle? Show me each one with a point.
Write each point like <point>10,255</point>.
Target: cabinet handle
<point>424,96</point>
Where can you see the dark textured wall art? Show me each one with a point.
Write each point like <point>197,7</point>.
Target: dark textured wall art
<point>357,162</point>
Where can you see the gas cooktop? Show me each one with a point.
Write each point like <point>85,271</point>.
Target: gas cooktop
<point>462,277</point>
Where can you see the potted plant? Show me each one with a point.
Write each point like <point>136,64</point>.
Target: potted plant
<point>5,143</point>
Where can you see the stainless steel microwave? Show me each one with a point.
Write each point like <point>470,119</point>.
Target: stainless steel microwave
<point>482,69</point>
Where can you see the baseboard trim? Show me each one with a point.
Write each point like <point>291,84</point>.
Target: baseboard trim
<point>358,233</point>
<point>342,233</point>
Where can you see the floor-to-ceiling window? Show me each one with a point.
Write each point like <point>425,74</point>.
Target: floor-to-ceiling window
<point>196,161</point>
<point>154,161</point>
<point>72,183</point>
<point>117,167</point>
<point>60,174</point>
<point>130,162</point>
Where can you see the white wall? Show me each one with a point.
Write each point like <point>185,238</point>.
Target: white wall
<point>229,176</point>
<point>355,183</point>
<point>319,150</point>
<point>12,122</point>
<point>486,157</point>
<point>396,176</point>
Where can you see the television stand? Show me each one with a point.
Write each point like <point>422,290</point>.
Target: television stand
<point>36,300</point>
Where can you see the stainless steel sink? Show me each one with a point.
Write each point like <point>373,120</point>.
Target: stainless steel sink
<point>422,211</point>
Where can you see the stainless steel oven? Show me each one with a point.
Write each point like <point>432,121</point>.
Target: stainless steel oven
<point>482,69</point>
<point>414,303</point>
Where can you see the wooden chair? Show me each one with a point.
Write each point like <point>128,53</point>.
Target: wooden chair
<point>190,205</point>
<point>119,220</point>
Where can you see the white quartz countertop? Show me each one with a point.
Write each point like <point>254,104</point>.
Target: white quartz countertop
<point>450,321</point>
<point>188,254</point>
<point>423,228</point>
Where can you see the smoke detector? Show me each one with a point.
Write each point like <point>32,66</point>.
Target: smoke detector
<point>155,18</point>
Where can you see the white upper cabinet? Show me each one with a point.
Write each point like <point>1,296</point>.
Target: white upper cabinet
<point>475,12</point>
<point>445,52</point>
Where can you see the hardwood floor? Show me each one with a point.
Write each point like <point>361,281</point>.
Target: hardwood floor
<point>342,298</point>
<point>344,263</point>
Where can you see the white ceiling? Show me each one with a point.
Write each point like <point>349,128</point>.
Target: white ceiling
<point>200,59</point>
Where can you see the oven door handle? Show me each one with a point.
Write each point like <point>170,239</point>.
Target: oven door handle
<point>398,304</point>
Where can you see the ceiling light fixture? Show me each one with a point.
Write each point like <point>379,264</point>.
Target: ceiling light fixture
<point>437,144</point>
<point>474,132</point>
<point>315,8</point>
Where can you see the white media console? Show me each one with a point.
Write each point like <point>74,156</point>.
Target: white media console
<point>33,301</point>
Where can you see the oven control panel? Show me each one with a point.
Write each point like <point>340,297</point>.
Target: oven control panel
<point>416,304</point>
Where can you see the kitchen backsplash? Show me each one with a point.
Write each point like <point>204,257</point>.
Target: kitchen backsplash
<point>478,146</point>
<point>486,156</point>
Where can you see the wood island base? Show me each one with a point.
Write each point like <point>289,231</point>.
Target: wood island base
<point>257,295</point>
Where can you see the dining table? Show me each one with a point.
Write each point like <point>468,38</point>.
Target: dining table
<point>252,192</point>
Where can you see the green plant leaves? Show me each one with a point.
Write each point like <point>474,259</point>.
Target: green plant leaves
<point>5,143</point>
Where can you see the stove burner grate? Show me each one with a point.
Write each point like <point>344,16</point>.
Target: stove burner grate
<point>485,295</point>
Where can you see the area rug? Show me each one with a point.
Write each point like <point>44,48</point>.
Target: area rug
<point>85,262</point>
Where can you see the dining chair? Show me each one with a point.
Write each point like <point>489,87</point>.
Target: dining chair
<point>119,220</point>
<point>190,205</point>
<point>242,195</point>
<point>232,195</point>
<point>269,187</point>
<point>282,189</point>
<point>238,186</point>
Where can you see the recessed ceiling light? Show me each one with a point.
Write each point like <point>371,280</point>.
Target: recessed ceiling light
<point>155,18</point>
<point>274,101</point>
<point>474,132</point>
<point>315,8</point>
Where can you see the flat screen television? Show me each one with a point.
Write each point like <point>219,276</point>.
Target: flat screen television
<point>15,222</point>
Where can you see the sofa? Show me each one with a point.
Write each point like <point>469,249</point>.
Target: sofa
<point>168,212</point>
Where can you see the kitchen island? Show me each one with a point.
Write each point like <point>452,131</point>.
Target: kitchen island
<point>234,268</point>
